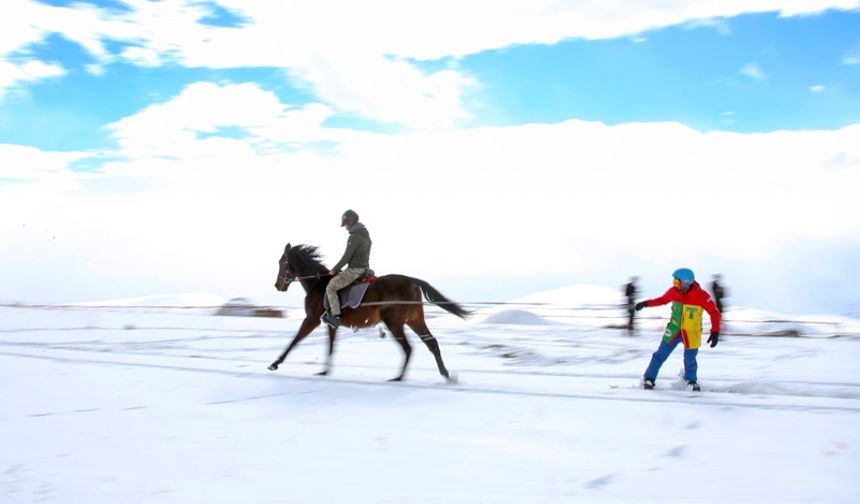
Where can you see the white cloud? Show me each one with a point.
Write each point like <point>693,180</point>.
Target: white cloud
<point>388,91</point>
<point>719,24</point>
<point>94,69</point>
<point>590,199</point>
<point>851,57</point>
<point>187,126</point>
<point>22,162</point>
<point>25,22</point>
<point>15,30</point>
<point>753,71</point>
<point>817,88</point>
<point>142,56</point>
<point>14,73</point>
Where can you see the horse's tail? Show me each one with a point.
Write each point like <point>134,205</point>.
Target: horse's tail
<point>437,298</point>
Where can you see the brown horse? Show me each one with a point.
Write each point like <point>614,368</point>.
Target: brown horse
<point>394,300</point>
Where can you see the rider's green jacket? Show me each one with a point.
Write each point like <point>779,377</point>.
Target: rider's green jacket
<point>357,253</point>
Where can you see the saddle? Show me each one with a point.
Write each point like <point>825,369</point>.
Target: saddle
<point>368,276</point>
<point>352,295</point>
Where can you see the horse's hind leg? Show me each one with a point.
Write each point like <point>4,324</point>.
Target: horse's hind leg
<point>420,328</point>
<point>400,337</point>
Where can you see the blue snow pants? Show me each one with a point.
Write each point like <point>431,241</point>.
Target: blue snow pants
<point>663,352</point>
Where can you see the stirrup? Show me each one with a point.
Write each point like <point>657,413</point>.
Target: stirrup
<point>331,320</point>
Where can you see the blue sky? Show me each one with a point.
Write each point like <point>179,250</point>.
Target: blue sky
<point>690,73</point>
<point>748,73</point>
<point>157,110</point>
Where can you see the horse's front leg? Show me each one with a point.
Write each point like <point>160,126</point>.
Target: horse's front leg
<point>308,325</point>
<point>328,362</point>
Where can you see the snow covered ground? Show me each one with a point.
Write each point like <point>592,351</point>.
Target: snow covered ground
<point>106,405</point>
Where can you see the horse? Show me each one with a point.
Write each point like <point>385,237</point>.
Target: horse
<point>395,300</point>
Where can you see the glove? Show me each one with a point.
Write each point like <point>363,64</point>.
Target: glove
<point>640,305</point>
<point>713,339</point>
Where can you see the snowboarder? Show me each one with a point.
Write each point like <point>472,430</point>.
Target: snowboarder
<point>685,324</point>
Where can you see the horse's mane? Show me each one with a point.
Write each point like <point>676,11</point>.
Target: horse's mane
<point>308,256</point>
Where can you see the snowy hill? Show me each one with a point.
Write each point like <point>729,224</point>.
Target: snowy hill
<point>200,302</point>
<point>594,306</point>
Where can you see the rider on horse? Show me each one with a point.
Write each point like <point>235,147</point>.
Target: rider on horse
<point>356,258</point>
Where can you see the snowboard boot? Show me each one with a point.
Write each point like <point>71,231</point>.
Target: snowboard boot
<point>694,386</point>
<point>648,384</point>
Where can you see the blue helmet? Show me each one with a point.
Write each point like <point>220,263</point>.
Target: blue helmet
<point>684,276</point>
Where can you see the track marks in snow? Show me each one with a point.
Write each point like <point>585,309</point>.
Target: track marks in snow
<point>536,390</point>
<point>695,424</point>
<point>599,483</point>
<point>677,452</point>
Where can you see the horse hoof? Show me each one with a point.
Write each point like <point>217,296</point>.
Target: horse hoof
<point>273,367</point>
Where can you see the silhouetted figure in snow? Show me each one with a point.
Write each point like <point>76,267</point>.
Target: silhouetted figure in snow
<point>718,291</point>
<point>630,294</point>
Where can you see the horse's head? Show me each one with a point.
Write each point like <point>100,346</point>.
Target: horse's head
<point>301,262</point>
<point>285,274</point>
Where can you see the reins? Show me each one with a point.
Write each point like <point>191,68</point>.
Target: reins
<point>288,278</point>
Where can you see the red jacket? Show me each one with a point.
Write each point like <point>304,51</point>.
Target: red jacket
<point>686,316</point>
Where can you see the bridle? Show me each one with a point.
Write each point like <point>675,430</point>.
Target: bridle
<point>287,277</point>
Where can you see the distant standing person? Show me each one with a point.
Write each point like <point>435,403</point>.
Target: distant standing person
<point>630,294</point>
<point>685,324</point>
<point>718,291</point>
